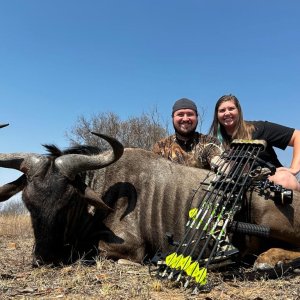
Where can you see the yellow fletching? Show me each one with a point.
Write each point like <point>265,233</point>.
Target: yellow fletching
<point>185,263</point>
<point>193,268</point>
<point>193,213</point>
<point>201,277</point>
<point>171,258</point>
<point>179,261</point>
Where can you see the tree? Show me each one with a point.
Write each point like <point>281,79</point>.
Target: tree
<point>13,206</point>
<point>141,132</point>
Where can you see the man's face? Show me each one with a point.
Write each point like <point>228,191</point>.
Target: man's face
<point>185,121</point>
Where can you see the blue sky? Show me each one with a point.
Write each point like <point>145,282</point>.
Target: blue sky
<point>62,59</point>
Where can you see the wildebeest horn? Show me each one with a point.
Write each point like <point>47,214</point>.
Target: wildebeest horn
<point>10,189</point>
<point>24,162</point>
<point>71,164</point>
<point>3,125</point>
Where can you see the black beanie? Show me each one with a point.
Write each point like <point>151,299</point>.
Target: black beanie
<point>184,103</point>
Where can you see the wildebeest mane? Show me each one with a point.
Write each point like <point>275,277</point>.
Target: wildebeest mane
<point>54,151</point>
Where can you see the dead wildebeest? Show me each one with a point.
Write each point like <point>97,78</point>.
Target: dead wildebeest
<point>122,204</point>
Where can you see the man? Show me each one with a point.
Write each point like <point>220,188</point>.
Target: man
<point>187,146</point>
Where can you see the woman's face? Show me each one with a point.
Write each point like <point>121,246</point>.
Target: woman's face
<point>228,115</point>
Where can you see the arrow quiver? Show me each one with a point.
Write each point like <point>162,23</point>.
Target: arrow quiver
<point>205,243</point>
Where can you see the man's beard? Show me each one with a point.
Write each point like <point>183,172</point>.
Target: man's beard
<point>184,134</point>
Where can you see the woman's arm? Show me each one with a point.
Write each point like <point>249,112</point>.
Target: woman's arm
<point>295,163</point>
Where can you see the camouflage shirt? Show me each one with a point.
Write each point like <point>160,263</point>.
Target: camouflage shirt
<point>197,152</point>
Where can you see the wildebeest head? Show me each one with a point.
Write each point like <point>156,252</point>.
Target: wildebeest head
<point>53,191</point>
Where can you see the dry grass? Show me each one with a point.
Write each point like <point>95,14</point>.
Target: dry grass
<point>110,280</point>
<point>15,225</point>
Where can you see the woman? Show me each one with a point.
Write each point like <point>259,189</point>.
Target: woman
<point>228,124</point>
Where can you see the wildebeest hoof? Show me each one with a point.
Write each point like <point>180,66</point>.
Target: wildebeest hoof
<point>262,266</point>
<point>274,257</point>
<point>296,271</point>
<point>122,261</point>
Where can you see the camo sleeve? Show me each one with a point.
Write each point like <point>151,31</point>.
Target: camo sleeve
<point>202,153</point>
<point>208,151</point>
<point>171,150</point>
<point>162,147</point>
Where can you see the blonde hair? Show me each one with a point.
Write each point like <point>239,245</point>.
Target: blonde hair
<point>243,129</point>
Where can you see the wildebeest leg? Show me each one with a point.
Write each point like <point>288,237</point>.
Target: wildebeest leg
<point>275,257</point>
<point>270,255</point>
<point>249,246</point>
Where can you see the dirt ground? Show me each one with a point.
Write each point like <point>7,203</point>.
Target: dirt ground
<point>111,280</point>
<point>106,279</point>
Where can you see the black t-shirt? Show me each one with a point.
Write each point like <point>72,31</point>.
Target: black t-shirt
<point>275,135</point>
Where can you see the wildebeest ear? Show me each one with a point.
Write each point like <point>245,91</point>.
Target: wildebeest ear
<point>94,200</point>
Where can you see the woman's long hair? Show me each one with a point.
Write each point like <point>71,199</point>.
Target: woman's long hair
<point>243,129</point>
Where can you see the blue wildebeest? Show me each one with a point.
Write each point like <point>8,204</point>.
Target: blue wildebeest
<point>123,203</point>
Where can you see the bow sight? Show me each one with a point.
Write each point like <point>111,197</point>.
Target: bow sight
<point>206,244</point>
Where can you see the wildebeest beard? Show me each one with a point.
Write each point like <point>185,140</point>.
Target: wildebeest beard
<point>57,236</point>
